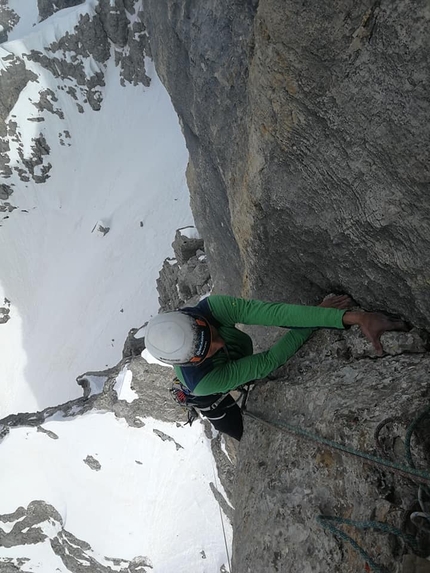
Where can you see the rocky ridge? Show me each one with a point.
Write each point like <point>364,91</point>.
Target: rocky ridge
<point>112,26</point>
<point>40,523</point>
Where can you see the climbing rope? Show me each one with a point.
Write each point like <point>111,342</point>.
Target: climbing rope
<point>408,471</point>
<point>327,521</point>
<point>221,518</point>
<point>416,517</point>
<point>417,475</point>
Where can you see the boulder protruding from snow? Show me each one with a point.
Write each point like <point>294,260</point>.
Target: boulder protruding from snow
<point>41,524</point>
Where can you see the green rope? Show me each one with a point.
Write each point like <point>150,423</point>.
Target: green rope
<point>418,475</point>
<point>424,414</point>
<point>327,522</point>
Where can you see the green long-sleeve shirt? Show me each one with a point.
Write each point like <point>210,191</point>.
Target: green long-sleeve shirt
<point>237,364</point>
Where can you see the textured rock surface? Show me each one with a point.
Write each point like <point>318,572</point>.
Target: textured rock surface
<point>283,483</point>
<point>185,278</point>
<point>48,7</point>
<point>307,127</point>
<point>8,20</point>
<point>308,132</point>
<point>201,54</point>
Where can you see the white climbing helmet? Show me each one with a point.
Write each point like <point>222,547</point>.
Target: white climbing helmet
<point>178,338</point>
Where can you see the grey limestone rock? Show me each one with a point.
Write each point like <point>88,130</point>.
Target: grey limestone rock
<point>186,277</point>
<point>14,76</point>
<point>114,20</point>
<point>4,314</point>
<point>194,279</point>
<point>157,403</point>
<point>201,53</point>
<point>7,207</point>
<point>132,63</point>
<point>168,295</point>
<point>8,20</point>
<point>48,433</point>
<point>133,346</point>
<point>46,102</point>
<point>308,132</point>
<point>185,247</point>
<point>163,436</point>
<point>307,128</point>
<point>332,393</point>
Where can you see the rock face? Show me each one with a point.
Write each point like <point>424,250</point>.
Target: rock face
<point>336,389</point>
<point>308,134</point>
<point>187,275</point>
<point>48,7</point>
<point>307,127</point>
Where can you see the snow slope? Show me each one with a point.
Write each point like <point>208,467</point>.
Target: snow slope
<point>138,503</point>
<point>79,257</point>
<point>74,293</point>
<point>28,17</point>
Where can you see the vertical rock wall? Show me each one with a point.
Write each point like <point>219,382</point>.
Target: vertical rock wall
<point>307,126</point>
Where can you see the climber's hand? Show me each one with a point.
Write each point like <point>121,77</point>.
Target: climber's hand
<point>373,325</point>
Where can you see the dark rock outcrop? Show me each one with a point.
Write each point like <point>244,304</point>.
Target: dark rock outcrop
<point>8,20</point>
<point>201,52</point>
<point>13,80</point>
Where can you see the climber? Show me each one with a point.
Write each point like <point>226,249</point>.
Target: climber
<point>211,356</point>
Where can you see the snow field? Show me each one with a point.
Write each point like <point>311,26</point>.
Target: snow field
<point>75,292</point>
<point>161,507</point>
